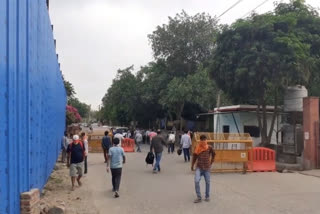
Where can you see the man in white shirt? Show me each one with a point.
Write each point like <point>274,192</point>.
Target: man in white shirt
<point>171,139</point>
<point>120,137</point>
<point>138,139</point>
<point>186,144</point>
<point>147,136</point>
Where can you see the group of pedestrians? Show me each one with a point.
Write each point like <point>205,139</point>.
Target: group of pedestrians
<point>76,151</point>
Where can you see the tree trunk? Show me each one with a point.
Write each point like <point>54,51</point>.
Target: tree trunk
<point>261,108</point>
<point>274,116</point>
<point>180,109</point>
<point>266,134</point>
<point>170,115</point>
<point>264,123</point>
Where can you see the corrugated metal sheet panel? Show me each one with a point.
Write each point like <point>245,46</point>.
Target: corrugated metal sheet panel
<point>32,100</point>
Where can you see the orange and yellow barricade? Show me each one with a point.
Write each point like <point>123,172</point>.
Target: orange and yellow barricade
<point>232,150</point>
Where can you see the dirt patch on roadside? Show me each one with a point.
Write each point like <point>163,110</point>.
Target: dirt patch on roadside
<point>57,193</point>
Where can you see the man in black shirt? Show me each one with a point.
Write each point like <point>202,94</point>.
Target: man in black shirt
<point>156,146</point>
<point>76,154</point>
<point>106,144</point>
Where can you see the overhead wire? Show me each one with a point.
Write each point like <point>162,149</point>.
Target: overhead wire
<point>261,4</point>
<point>235,4</point>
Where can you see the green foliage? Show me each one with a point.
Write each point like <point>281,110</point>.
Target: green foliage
<point>257,58</point>
<point>194,89</point>
<point>74,102</point>
<point>185,42</point>
<point>122,98</point>
<point>82,108</point>
<point>163,88</point>
<point>69,88</point>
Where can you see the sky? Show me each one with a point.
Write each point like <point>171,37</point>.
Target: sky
<point>95,38</point>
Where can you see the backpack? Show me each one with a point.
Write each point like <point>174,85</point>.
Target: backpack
<point>82,146</point>
<point>150,158</point>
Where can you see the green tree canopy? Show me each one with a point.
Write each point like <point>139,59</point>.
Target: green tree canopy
<point>122,99</point>
<point>174,80</point>
<point>257,58</point>
<point>69,88</point>
<point>185,42</point>
<point>196,88</point>
<point>82,108</point>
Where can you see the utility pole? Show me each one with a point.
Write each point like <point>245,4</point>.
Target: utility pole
<point>216,124</point>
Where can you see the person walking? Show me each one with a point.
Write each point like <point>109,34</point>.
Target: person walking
<point>156,146</point>
<point>120,136</point>
<point>147,136</point>
<point>152,134</point>
<point>84,140</point>
<point>106,144</point>
<point>75,158</point>
<point>116,158</point>
<point>171,139</point>
<point>138,139</point>
<point>186,144</point>
<point>64,147</point>
<point>204,156</point>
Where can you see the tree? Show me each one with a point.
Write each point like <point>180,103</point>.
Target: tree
<point>72,115</point>
<point>122,99</point>
<point>257,58</point>
<point>69,89</point>
<point>183,45</point>
<point>82,108</point>
<point>196,88</point>
<point>174,80</point>
<point>185,42</point>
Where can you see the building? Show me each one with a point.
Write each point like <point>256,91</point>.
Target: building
<point>241,119</point>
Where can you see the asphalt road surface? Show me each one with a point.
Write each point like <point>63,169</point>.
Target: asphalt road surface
<point>172,190</point>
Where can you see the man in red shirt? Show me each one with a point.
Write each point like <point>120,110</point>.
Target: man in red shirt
<point>204,155</point>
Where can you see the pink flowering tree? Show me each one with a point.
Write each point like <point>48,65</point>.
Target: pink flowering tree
<point>72,115</point>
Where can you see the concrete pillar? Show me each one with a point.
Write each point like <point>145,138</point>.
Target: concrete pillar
<point>311,131</point>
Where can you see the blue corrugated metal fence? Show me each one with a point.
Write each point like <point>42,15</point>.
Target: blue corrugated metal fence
<point>32,100</point>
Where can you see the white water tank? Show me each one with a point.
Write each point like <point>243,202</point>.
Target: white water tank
<point>293,98</point>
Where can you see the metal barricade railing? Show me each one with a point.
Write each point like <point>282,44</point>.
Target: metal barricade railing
<point>232,150</point>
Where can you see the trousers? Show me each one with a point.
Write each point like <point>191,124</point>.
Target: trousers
<point>116,178</point>
<point>197,178</point>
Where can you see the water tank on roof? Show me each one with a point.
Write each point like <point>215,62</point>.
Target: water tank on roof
<point>293,98</point>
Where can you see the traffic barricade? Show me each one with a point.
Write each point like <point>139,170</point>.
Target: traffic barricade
<point>94,141</point>
<point>128,145</point>
<point>262,160</point>
<point>232,150</point>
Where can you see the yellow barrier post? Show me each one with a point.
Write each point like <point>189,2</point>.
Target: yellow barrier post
<point>94,141</point>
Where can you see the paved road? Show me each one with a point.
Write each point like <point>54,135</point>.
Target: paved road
<point>172,191</point>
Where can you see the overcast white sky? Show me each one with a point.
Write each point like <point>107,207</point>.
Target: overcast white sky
<point>97,37</point>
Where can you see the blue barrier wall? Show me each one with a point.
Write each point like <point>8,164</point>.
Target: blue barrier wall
<point>32,100</point>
